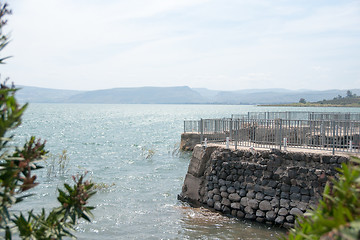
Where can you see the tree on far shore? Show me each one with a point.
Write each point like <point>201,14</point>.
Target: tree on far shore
<point>302,100</point>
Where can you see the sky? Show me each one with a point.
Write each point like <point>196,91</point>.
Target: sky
<point>214,44</point>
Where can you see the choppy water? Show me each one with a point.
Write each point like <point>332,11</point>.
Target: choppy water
<point>132,148</point>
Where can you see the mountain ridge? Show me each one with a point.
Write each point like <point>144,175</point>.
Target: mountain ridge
<point>175,95</point>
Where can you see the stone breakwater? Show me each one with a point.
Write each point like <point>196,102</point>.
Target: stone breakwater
<point>266,186</point>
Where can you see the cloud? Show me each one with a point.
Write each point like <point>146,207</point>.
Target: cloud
<point>201,43</point>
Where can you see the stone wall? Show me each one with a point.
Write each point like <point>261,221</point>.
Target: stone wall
<point>190,140</point>
<point>266,186</point>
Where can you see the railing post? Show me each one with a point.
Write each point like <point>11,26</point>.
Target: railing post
<point>201,130</point>
<point>350,145</point>
<point>231,129</point>
<point>184,127</point>
<point>280,133</point>
<point>333,137</point>
<point>322,134</point>
<point>236,132</point>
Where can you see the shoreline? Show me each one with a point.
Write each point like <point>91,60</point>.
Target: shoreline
<point>307,105</point>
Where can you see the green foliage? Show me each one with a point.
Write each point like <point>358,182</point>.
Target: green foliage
<point>3,38</point>
<point>58,223</point>
<point>302,100</point>
<point>16,176</point>
<point>349,94</point>
<point>337,215</point>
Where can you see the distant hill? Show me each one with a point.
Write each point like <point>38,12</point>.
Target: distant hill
<point>148,95</point>
<point>268,96</point>
<point>44,95</point>
<point>207,93</point>
<point>176,95</point>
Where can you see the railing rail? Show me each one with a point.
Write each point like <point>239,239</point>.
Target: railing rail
<point>299,115</point>
<point>331,135</point>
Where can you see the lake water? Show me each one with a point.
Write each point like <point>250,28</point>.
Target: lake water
<point>132,148</point>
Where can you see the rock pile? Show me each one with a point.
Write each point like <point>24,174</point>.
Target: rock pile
<point>266,186</point>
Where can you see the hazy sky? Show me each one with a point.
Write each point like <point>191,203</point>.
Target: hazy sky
<point>217,44</point>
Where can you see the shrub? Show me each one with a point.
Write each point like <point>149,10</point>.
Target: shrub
<point>16,176</point>
<point>337,215</point>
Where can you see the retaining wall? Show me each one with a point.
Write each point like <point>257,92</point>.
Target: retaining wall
<point>190,140</point>
<point>269,186</point>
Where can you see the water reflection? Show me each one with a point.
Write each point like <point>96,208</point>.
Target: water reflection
<point>201,223</point>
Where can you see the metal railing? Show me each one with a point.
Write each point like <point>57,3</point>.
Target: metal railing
<point>330,135</point>
<point>293,115</point>
<point>299,115</point>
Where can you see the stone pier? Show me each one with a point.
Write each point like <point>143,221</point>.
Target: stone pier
<point>268,186</point>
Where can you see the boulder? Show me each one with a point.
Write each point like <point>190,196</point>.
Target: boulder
<point>234,197</point>
<point>265,205</point>
<point>296,212</point>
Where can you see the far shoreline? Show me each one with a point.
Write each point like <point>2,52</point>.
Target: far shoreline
<point>309,105</point>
